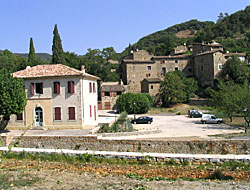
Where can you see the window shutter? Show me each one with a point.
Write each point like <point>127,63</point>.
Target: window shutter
<point>90,111</point>
<point>41,88</point>
<point>57,87</point>
<point>71,88</point>
<point>95,112</point>
<point>94,88</point>
<point>90,87</point>
<point>72,113</point>
<point>58,113</point>
<point>32,89</point>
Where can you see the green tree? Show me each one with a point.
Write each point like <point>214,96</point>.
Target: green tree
<point>32,54</point>
<point>133,103</point>
<point>57,50</point>
<point>236,70</point>
<point>12,96</point>
<point>228,98</point>
<point>172,89</point>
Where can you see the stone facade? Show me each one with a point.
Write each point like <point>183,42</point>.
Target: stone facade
<point>140,65</point>
<point>205,64</point>
<point>110,91</point>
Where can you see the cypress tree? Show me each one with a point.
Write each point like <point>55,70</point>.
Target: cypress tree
<point>57,50</point>
<point>32,55</point>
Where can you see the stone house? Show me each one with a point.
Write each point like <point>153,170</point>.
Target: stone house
<point>58,97</point>
<point>140,65</point>
<point>205,64</point>
<point>151,86</point>
<point>110,91</point>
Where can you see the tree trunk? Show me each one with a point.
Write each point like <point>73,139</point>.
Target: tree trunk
<point>4,122</point>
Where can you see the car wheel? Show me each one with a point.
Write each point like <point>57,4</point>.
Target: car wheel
<point>218,122</point>
<point>203,122</point>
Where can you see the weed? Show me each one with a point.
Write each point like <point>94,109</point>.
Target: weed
<point>8,180</point>
<point>218,175</point>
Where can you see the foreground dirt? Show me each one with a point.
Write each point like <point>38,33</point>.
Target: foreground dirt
<point>55,175</point>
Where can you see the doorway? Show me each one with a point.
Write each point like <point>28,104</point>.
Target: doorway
<point>38,116</point>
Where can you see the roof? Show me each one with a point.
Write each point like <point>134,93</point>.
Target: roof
<point>153,80</point>
<point>209,52</point>
<point>235,54</point>
<point>52,70</point>
<point>137,61</point>
<point>182,56</point>
<point>112,88</point>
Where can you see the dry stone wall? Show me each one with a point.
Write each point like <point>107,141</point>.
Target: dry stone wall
<point>92,143</point>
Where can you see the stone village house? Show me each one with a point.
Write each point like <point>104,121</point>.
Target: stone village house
<point>58,97</point>
<point>109,93</point>
<point>142,72</point>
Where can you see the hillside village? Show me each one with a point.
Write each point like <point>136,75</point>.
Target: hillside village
<point>141,72</point>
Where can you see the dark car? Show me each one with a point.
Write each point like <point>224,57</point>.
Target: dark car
<point>194,113</point>
<point>143,119</point>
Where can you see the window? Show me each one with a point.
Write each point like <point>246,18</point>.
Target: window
<point>176,61</point>
<point>90,111</point>
<point>163,70</point>
<point>39,88</point>
<point>94,89</point>
<point>58,113</point>
<point>57,87</point>
<point>19,117</point>
<point>176,68</point>
<point>202,68</point>
<point>118,93</point>
<point>149,75</point>
<point>149,68</point>
<point>106,93</point>
<point>90,87</point>
<point>190,70</point>
<point>71,87</point>
<point>72,113</point>
<point>219,66</point>
<point>152,87</point>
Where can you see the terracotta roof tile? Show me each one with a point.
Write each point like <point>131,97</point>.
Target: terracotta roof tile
<point>52,70</point>
<point>112,88</point>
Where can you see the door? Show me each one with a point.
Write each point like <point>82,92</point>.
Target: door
<point>38,116</point>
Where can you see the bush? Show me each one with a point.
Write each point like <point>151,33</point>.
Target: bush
<point>133,103</point>
<point>123,124</point>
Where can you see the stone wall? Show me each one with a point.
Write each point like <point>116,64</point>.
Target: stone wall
<point>159,146</point>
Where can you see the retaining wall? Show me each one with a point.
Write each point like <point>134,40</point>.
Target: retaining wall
<point>159,146</point>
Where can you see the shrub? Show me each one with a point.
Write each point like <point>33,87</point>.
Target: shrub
<point>133,103</point>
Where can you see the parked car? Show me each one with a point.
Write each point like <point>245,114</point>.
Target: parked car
<point>209,118</point>
<point>142,119</point>
<point>194,113</point>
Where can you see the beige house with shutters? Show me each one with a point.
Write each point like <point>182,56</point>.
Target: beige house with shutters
<point>58,97</point>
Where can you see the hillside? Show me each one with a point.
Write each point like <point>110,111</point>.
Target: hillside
<point>232,31</point>
<point>44,56</point>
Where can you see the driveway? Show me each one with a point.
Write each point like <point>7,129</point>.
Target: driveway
<point>180,127</point>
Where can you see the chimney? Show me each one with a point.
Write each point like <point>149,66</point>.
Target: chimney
<point>83,68</point>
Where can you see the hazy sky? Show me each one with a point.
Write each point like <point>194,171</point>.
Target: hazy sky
<point>84,24</point>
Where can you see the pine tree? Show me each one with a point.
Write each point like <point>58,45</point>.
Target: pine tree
<point>32,55</point>
<point>57,50</point>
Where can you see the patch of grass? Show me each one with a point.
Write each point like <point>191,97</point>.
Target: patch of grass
<point>8,180</point>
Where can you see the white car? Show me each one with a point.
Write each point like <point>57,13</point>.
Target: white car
<point>209,118</point>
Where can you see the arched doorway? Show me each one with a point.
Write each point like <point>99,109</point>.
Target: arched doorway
<point>38,116</point>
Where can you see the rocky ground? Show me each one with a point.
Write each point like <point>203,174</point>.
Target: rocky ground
<point>34,174</point>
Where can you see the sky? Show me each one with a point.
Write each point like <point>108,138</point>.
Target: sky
<point>97,24</point>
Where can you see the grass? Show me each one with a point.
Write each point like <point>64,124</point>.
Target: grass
<point>8,180</point>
